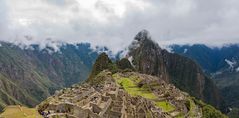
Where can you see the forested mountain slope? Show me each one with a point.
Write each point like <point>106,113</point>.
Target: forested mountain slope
<point>28,76</point>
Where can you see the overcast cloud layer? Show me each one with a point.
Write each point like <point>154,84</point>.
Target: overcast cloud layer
<point>114,23</point>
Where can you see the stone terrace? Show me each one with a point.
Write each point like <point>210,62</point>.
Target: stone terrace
<point>110,100</point>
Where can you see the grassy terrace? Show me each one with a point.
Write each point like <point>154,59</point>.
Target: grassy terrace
<point>134,90</point>
<point>130,85</point>
<point>167,107</point>
<point>20,112</point>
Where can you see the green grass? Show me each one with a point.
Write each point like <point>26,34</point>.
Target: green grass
<point>166,106</point>
<point>180,116</point>
<point>192,108</point>
<point>134,90</point>
<point>130,85</point>
<point>20,112</point>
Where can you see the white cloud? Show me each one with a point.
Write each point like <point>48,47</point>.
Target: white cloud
<point>182,7</point>
<point>114,23</point>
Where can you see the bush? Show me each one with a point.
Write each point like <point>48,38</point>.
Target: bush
<point>210,112</point>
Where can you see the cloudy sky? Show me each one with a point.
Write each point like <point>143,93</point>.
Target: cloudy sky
<point>114,23</point>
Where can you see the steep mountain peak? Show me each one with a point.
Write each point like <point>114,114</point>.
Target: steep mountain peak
<point>146,55</point>
<point>102,62</point>
<point>148,58</point>
<point>142,39</point>
<point>143,35</point>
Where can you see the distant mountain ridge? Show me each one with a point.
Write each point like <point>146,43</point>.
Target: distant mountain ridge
<point>28,76</point>
<point>212,60</point>
<point>222,64</point>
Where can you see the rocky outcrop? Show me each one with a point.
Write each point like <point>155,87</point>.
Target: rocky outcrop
<point>102,63</point>
<point>147,57</point>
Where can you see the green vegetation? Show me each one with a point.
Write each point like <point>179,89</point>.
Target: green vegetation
<point>124,64</point>
<point>131,86</point>
<point>228,84</point>
<point>180,115</point>
<point>5,97</point>
<point>29,76</point>
<point>208,110</point>
<point>166,106</point>
<point>102,63</point>
<point>211,112</point>
<point>136,87</point>
<point>191,106</point>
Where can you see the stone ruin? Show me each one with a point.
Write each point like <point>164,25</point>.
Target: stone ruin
<point>109,100</point>
<point>85,102</point>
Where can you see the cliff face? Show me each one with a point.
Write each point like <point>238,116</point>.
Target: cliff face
<point>149,58</point>
<point>146,56</point>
